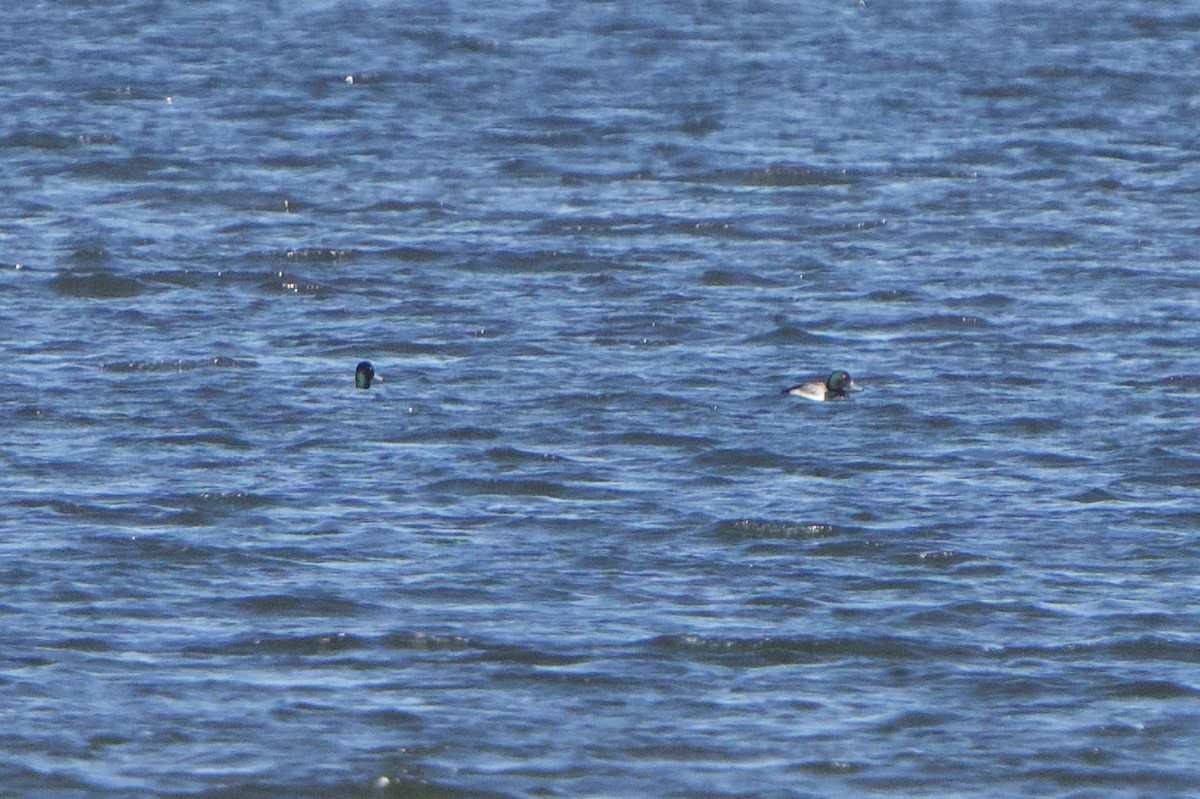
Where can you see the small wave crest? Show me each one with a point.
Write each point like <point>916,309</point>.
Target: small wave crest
<point>738,530</point>
<point>178,365</point>
<point>791,650</point>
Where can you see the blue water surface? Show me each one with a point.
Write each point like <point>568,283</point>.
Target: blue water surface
<point>577,543</point>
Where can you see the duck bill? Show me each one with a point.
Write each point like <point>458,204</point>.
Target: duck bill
<point>852,386</point>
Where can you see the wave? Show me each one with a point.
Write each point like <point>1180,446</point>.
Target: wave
<point>97,285</point>
<point>178,365</point>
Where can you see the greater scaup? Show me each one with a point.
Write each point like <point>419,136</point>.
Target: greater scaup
<point>836,387</point>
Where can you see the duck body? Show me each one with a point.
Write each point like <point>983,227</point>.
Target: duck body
<point>837,387</point>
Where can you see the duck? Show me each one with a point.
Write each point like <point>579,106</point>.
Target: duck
<point>364,373</point>
<point>837,387</point>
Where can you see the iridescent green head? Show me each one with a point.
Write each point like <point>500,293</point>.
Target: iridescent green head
<point>840,382</point>
<point>364,373</point>
<point>839,385</point>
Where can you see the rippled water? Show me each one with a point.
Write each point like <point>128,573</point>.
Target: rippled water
<point>577,543</point>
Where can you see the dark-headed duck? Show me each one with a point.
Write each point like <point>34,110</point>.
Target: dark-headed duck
<point>838,386</point>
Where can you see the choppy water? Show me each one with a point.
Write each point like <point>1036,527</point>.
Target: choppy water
<point>577,544</point>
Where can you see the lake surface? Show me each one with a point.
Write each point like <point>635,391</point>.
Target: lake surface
<point>577,543</point>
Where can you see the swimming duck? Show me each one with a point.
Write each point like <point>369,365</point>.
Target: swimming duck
<point>364,373</point>
<point>836,387</point>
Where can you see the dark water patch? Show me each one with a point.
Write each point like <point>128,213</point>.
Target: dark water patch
<point>854,548</point>
<point>1058,460</point>
<point>126,93</point>
<point>937,424</point>
<point>546,262</point>
<point>915,719</point>
<point>787,334</point>
<point>721,229</point>
<point>988,301</point>
<point>1015,90</point>
<point>299,645</point>
<point>428,642</point>
<point>744,458</point>
<point>766,652</point>
<point>232,499</point>
<point>177,278</point>
<point>942,558</point>
<point>575,403</point>
<point>120,555</point>
<point>293,161</point>
<point>617,225</point>
<point>1190,383</point>
<point>1087,122</point>
<point>934,170</point>
<point>1180,522</point>
<point>305,255</point>
<point>318,255</point>
<point>1162,690</point>
<point>655,438</point>
<point>96,139</point>
<point>1115,781</point>
<point>88,645</point>
<point>1028,426</point>
<point>787,601</point>
<point>1094,496</point>
<point>178,365</point>
<point>208,507</point>
<point>36,413</point>
<point>38,140</point>
<point>514,456</point>
<point>292,285</point>
<point>894,295</point>
<point>729,278</point>
<point>1116,729</point>
<point>389,719</point>
<point>1169,24</point>
<point>1042,175</point>
<point>400,349</point>
<point>1134,649</point>
<point>454,435</point>
<point>974,612</point>
<point>850,466</point>
<point>581,178</point>
<point>838,228</point>
<point>528,487</point>
<point>509,654</point>
<point>310,604</point>
<point>700,124</point>
<point>549,131</point>
<point>656,336</point>
<point>400,785</point>
<point>786,177</point>
<point>944,322</point>
<point>205,439</point>
<point>1121,275</point>
<point>831,768</point>
<point>114,512</point>
<point>1153,648</point>
<point>526,168</point>
<point>741,530</point>
<point>412,255</point>
<point>97,286</point>
<point>134,169</point>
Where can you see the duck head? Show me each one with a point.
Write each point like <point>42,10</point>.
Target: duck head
<point>364,373</point>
